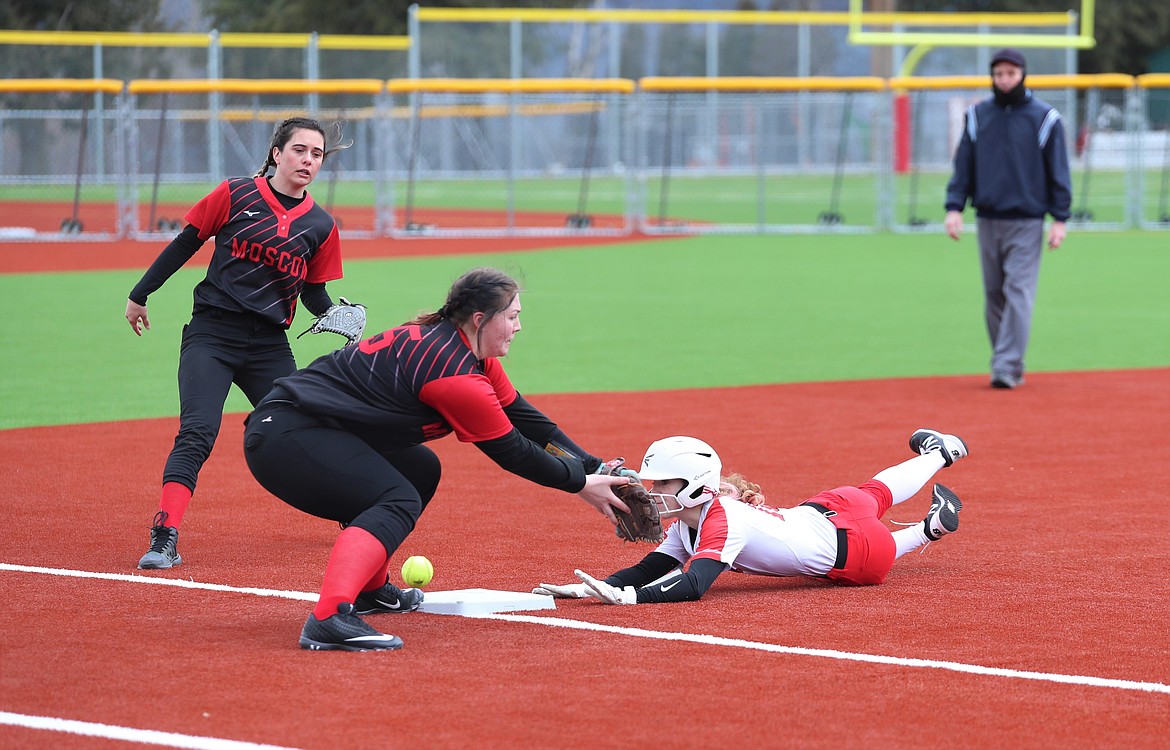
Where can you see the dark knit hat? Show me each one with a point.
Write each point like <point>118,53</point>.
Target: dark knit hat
<point>1009,55</point>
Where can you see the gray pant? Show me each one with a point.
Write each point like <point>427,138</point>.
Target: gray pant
<point>1009,251</point>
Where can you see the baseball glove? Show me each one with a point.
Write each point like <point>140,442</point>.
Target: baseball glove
<point>344,319</point>
<point>642,523</point>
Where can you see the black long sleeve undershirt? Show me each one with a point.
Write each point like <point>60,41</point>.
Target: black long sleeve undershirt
<point>316,299</point>
<point>688,586</point>
<point>185,244</point>
<point>524,458</point>
<point>534,425</point>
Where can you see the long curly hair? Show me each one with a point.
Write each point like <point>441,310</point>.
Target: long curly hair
<point>737,487</point>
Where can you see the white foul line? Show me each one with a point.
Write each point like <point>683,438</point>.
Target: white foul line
<point>711,640</point>
<point>128,734</point>
<point>188,584</point>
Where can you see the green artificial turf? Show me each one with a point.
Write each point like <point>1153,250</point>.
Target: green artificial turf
<point>744,199</point>
<point>680,313</point>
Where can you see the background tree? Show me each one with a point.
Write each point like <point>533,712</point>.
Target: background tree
<point>1128,32</point>
<point>70,15</point>
<point>64,15</point>
<point>36,143</point>
<point>471,50</point>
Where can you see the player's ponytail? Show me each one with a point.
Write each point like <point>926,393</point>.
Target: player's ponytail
<point>485,290</point>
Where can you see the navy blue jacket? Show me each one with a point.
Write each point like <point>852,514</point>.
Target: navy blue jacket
<point>1012,162</point>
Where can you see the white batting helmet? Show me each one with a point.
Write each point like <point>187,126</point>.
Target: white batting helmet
<point>688,459</point>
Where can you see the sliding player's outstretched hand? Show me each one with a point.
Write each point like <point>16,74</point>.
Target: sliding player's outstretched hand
<point>605,593</point>
<point>562,591</point>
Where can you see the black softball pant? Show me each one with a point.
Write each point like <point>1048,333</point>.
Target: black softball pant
<point>220,348</point>
<point>334,474</point>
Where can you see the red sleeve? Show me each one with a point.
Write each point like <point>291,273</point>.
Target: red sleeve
<point>210,213</point>
<point>469,404</point>
<point>712,534</point>
<point>326,262</point>
<point>505,392</point>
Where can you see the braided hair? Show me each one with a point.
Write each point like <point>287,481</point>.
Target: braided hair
<point>485,290</point>
<point>284,130</point>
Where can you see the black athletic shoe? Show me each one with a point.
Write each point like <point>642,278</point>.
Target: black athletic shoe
<point>164,541</point>
<point>389,598</point>
<point>345,631</point>
<point>1005,380</point>
<point>943,517</point>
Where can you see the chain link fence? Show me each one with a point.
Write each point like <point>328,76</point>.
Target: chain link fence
<point>62,159</point>
<point>188,136</point>
<point>103,159</point>
<point>505,156</point>
<point>761,154</point>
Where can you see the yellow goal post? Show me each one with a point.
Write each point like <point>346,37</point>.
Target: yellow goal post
<point>973,29</point>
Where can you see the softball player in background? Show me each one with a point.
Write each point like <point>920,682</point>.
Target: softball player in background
<point>273,243</point>
<point>723,524</point>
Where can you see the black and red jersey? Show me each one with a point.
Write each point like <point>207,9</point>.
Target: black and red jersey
<point>264,252</point>
<point>411,384</point>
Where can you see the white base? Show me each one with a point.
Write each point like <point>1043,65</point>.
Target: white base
<point>482,602</point>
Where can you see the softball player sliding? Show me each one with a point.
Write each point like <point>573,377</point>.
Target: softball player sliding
<point>273,243</point>
<point>723,524</point>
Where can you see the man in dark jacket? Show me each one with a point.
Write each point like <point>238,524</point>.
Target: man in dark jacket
<point>1012,163</point>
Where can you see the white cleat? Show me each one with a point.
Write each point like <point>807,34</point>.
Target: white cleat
<point>925,441</point>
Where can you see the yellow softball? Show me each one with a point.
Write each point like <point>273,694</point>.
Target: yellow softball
<point>417,571</point>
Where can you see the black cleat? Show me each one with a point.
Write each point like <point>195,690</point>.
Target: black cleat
<point>345,631</point>
<point>943,517</point>
<point>389,598</point>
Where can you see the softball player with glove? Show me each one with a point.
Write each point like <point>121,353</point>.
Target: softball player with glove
<point>273,243</point>
<point>343,439</point>
<point>723,524</point>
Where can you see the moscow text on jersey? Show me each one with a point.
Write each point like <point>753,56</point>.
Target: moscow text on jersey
<point>265,252</point>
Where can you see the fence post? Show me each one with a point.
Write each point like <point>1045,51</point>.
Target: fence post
<point>414,31</point>
<point>884,179</point>
<point>383,179</point>
<point>99,108</point>
<point>125,154</point>
<point>1134,133</point>
<point>803,98</point>
<point>215,108</point>
<point>313,73</point>
<point>515,48</point>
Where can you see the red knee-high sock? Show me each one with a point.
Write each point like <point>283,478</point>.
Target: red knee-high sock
<point>378,581</point>
<point>357,556</point>
<point>175,497</point>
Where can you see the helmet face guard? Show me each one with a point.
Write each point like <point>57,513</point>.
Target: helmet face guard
<point>688,459</point>
<point>670,505</point>
<point>667,505</point>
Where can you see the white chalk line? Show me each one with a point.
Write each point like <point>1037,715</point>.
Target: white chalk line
<point>713,640</point>
<point>710,640</point>
<point>130,734</point>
